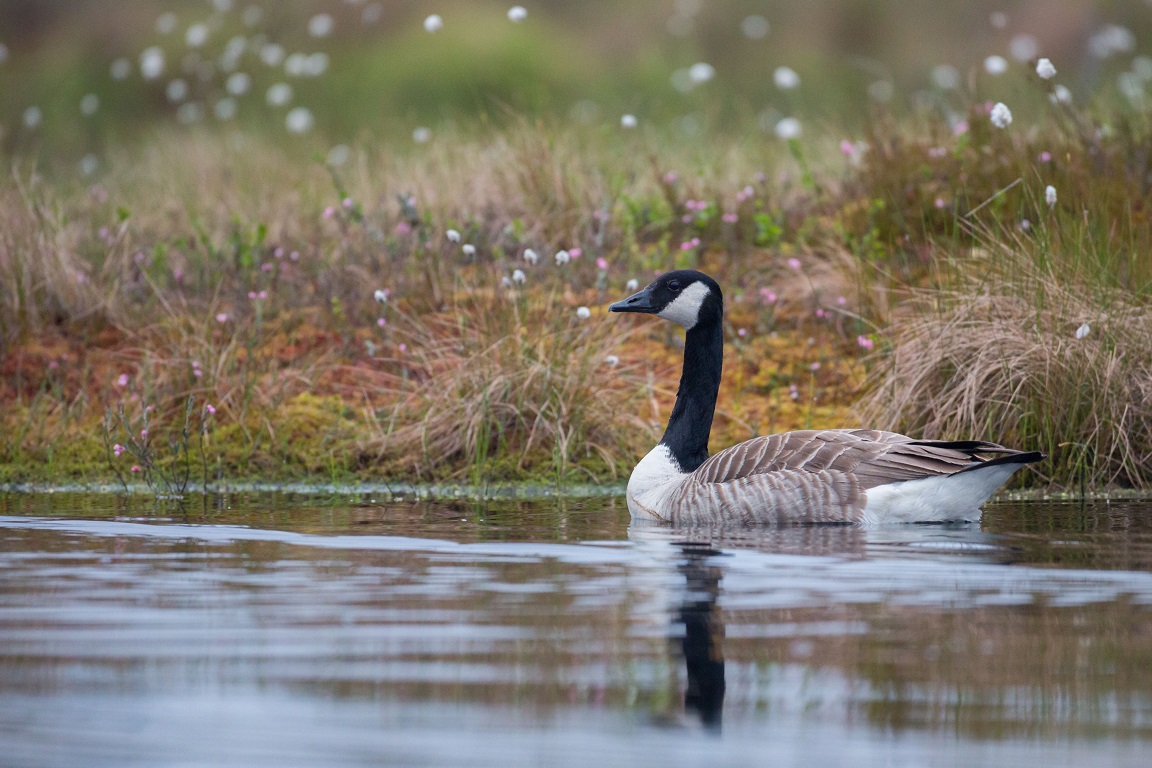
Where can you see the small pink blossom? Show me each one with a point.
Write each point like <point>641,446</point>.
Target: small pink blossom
<point>403,228</point>
<point>687,218</point>
<point>279,252</point>
<point>197,372</point>
<point>730,218</point>
<point>960,128</point>
<point>295,255</point>
<point>149,408</point>
<point>814,367</point>
<point>671,177</point>
<point>841,301</point>
<point>602,264</point>
<point>864,342</point>
<point>742,332</point>
<point>575,252</point>
<point>346,202</point>
<point>329,212</point>
<point>1045,157</point>
<point>135,467</point>
<point>794,263</point>
<point>267,267</point>
<point>143,434</point>
<point>847,148</point>
<point>222,317</point>
<point>262,295</point>
<point>940,203</point>
<point>820,312</point>
<point>251,294</point>
<point>403,347</point>
<point>381,322</point>
<point>768,295</point>
<point>210,408</point>
<point>122,380</point>
<point>117,450</point>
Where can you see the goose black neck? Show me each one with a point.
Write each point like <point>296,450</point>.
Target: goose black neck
<point>691,421</point>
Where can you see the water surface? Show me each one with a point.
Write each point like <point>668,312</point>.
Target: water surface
<point>285,630</point>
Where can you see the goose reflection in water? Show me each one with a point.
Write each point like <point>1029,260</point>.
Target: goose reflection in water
<point>702,639</point>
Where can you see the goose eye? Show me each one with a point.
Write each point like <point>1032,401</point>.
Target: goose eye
<point>674,286</point>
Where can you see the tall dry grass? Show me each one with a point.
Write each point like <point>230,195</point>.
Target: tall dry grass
<point>995,355</point>
<point>504,384</point>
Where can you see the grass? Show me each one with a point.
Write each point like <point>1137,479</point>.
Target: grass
<point>908,275</point>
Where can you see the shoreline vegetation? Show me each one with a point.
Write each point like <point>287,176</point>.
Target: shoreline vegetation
<point>211,307</point>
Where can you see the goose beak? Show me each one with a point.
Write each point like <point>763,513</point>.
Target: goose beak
<point>637,302</point>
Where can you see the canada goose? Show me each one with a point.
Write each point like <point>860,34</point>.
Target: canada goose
<point>809,476</point>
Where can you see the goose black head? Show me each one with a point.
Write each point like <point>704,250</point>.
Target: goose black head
<point>686,297</point>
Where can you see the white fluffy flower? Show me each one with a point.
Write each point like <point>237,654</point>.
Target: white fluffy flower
<point>612,361</point>
<point>1083,331</point>
<point>433,23</point>
<point>701,72</point>
<point>562,258</point>
<point>517,13</point>
<point>583,313</point>
<point>1050,196</point>
<point>1061,95</point>
<point>1000,115</point>
<point>632,285</point>
<point>786,78</point>
<point>1045,69</point>
<point>453,236</point>
<point>518,276</point>
<point>530,256</point>
<point>469,249</point>
<point>381,296</point>
<point>628,121</point>
<point>299,120</point>
<point>788,128</point>
<point>995,65</point>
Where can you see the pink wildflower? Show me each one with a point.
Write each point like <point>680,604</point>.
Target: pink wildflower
<point>329,212</point>
<point>575,252</point>
<point>730,218</point>
<point>671,177</point>
<point>143,434</point>
<point>768,295</point>
<point>794,263</point>
<point>210,408</point>
<point>403,228</point>
<point>1045,157</point>
<point>602,264</point>
<point>742,332</point>
<point>864,342</point>
<point>381,322</point>
<point>122,380</point>
<point>222,317</point>
<point>135,467</point>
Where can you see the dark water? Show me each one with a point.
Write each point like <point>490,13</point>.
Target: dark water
<point>280,631</point>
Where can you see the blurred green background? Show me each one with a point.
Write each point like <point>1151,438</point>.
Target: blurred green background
<point>73,74</point>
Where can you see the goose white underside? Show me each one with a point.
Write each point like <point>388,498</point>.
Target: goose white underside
<point>934,499</point>
<point>656,480</point>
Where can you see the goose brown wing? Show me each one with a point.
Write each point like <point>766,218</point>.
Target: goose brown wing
<point>872,457</point>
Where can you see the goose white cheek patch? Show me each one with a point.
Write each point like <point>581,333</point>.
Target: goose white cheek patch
<point>685,309</point>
